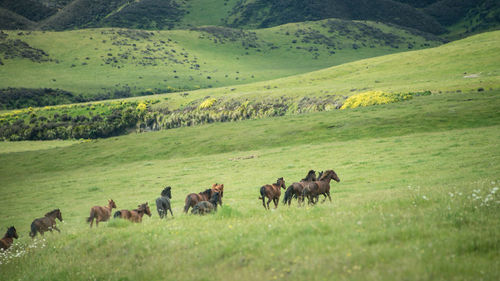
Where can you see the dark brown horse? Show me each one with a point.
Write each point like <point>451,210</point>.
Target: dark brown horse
<point>272,192</point>
<point>296,188</point>
<point>218,188</point>
<point>193,198</point>
<point>322,187</point>
<point>101,213</point>
<point>8,238</point>
<point>134,215</point>
<point>47,223</point>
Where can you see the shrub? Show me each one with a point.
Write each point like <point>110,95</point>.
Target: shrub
<point>374,98</point>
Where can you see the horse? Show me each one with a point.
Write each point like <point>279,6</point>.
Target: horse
<point>272,192</point>
<point>7,239</point>
<point>205,207</point>
<point>296,188</point>
<point>218,188</point>
<point>322,187</point>
<point>193,198</point>
<point>47,223</point>
<point>163,202</point>
<point>134,215</point>
<point>101,213</point>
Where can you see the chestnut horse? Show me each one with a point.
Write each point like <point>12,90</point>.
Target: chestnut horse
<point>218,188</point>
<point>134,215</point>
<point>101,213</point>
<point>7,239</point>
<point>205,207</point>
<point>322,187</point>
<point>193,198</point>
<point>47,223</point>
<point>296,188</point>
<point>272,192</point>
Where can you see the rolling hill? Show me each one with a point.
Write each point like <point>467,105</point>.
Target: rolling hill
<point>121,62</point>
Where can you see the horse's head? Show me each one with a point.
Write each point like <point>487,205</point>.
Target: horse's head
<point>320,175</point>
<point>330,174</point>
<point>281,183</point>
<point>145,208</point>
<point>12,232</point>
<point>166,192</point>
<point>111,203</point>
<point>59,215</point>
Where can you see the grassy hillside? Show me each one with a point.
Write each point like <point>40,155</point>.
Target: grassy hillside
<point>109,61</point>
<point>418,198</point>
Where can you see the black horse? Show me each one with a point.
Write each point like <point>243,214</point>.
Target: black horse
<point>163,202</point>
<point>205,207</point>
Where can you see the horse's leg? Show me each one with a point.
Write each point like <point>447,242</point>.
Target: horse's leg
<point>276,200</point>
<point>268,201</point>
<point>328,193</point>
<point>170,209</point>
<point>324,199</point>
<point>55,227</point>
<point>264,202</point>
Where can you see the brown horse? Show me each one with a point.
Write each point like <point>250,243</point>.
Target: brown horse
<point>7,239</point>
<point>322,187</point>
<point>218,188</point>
<point>134,215</point>
<point>47,223</point>
<point>101,213</point>
<point>296,188</point>
<point>272,192</point>
<point>193,198</point>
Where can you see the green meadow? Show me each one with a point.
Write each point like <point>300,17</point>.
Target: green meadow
<point>418,198</point>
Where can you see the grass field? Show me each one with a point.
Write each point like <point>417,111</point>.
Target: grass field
<point>418,198</point>
<point>96,61</point>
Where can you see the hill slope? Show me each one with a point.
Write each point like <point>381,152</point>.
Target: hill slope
<point>106,61</point>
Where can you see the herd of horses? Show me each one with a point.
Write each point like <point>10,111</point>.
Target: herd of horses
<point>310,187</point>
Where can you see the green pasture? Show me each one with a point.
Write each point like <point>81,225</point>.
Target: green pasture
<point>418,198</point>
<point>98,61</point>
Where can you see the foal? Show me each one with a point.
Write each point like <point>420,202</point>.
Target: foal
<point>101,213</point>
<point>272,192</point>
<point>134,215</point>
<point>7,239</point>
<point>47,223</point>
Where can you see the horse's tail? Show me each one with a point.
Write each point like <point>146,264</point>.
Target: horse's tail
<point>288,195</point>
<point>118,214</point>
<point>33,230</point>
<point>92,215</point>
<point>263,196</point>
<point>188,204</point>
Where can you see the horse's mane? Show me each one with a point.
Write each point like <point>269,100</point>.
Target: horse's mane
<point>166,192</point>
<point>325,174</point>
<point>52,212</point>
<point>207,192</point>
<point>310,175</point>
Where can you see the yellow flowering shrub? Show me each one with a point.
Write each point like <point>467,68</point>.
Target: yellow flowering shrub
<point>374,98</point>
<point>207,103</point>
<point>141,106</point>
